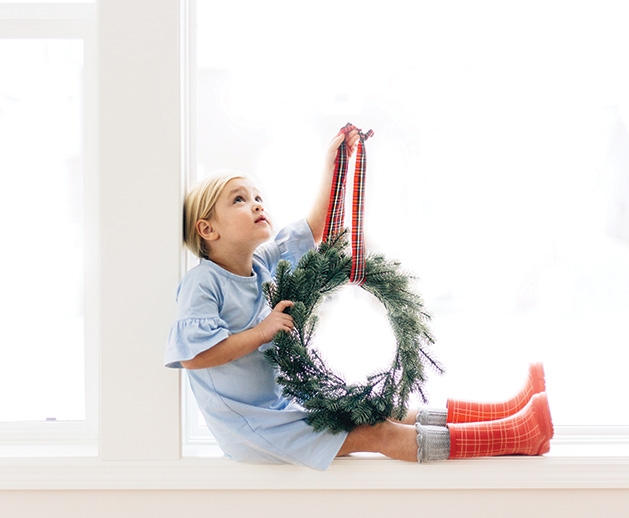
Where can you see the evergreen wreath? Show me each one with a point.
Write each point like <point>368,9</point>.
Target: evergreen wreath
<point>331,403</point>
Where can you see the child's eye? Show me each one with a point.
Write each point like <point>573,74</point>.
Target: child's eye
<point>259,199</point>
<point>238,199</point>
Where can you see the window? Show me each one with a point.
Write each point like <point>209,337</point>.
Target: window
<point>41,110</point>
<point>499,171</point>
<point>138,199</point>
<point>130,210</point>
<point>47,130</point>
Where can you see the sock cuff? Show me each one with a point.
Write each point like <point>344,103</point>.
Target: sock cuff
<point>433,443</point>
<point>432,416</point>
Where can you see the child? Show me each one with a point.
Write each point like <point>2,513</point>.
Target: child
<point>224,324</point>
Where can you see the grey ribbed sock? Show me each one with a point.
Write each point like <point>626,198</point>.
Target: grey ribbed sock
<point>433,443</point>
<point>432,416</point>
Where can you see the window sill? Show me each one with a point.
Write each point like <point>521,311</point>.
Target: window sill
<point>577,460</point>
<point>354,473</point>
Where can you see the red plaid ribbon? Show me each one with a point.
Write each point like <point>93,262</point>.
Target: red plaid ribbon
<point>336,208</point>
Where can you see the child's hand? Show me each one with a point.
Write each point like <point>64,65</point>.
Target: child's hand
<point>351,139</point>
<point>276,321</point>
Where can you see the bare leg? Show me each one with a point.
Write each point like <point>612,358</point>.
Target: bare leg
<point>390,438</point>
<point>411,417</point>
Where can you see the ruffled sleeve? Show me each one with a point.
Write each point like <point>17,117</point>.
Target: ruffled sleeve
<point>199,325</point>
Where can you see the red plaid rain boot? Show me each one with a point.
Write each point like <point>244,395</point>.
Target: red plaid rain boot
<point>471,412</point>
<point>528,432</point>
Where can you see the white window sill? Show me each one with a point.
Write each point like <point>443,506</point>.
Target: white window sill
<point>579,458</point>
<point>558,470</point>
<point>344,474</point>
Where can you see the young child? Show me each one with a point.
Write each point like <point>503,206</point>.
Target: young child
<point>224,325</point>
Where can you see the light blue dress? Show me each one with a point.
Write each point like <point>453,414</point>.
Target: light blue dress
<point>241,401</point>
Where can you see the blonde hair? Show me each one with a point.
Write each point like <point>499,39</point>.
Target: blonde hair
<point>199,204</point>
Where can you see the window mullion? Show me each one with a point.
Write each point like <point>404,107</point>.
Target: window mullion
<point>139,132</point>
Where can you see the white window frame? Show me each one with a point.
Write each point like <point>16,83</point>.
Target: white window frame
<point>66,21</point>
<point>141,186</point>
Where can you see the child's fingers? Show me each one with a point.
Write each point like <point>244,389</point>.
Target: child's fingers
<point>282,305</point>
<point>351,141</point>
<point>285,321</point>
<point>352,138</point>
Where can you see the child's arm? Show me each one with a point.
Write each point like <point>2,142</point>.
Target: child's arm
<point>316,218</point>
<point>240,344</point>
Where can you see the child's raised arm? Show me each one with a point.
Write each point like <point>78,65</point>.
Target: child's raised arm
<point>318,213</point>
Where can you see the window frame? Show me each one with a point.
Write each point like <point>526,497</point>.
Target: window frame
<point>140,437</point>
<point>77,22</point>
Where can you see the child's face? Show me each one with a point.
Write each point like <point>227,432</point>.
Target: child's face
<point>239,217</point>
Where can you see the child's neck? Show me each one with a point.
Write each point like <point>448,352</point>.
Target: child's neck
<point>236,263</point>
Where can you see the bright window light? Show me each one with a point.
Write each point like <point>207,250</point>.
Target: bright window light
<point>47,1</point>
<point>498,173</point>
<point>41,224</point>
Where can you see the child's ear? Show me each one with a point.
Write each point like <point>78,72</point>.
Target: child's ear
<point>206,230</point>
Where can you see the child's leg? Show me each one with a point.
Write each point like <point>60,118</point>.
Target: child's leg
<point>528,432</point>
<point>471,412</point>
<point>390,438</point>
<point>399,441</point>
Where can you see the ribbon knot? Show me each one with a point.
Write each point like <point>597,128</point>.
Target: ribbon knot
<point>363,136</point>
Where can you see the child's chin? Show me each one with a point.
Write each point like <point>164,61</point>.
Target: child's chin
<point>265,236</point>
